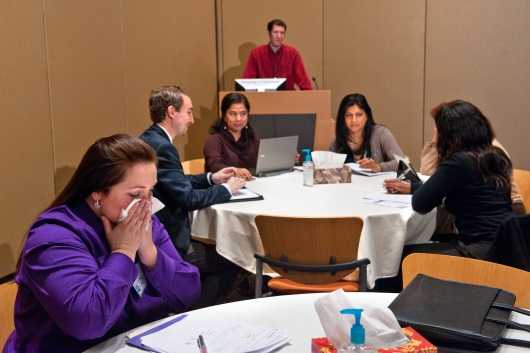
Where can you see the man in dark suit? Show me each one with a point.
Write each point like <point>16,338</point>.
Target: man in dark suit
<point>171,111</point>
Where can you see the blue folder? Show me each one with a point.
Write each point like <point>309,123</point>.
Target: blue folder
<point>136,341</point>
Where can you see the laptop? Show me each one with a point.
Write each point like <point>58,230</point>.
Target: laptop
<point>276,155</point>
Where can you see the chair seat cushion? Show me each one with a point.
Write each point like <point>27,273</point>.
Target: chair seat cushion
<point>283,285</point>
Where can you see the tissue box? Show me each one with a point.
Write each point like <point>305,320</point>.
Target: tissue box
<point>417,344</point>
<point>332,175</point>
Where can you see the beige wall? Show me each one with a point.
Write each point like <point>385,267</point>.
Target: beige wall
<point>26,149</point>
<point>376,47</point>
<point>76,71</point>
<point>479,50</point>
<point>85,60</point>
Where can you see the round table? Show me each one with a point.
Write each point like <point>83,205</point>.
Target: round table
<point>386,229</point>
<point>293,313</point>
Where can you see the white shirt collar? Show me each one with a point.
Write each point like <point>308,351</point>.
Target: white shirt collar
<point>167,133</point>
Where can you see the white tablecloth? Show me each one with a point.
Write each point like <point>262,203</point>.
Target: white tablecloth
<point>293,313</point>
<point>384,233</point>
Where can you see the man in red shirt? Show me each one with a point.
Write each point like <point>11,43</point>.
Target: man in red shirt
<point>277,60</point>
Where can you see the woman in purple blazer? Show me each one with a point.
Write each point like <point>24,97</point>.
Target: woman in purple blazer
<point>86,273</point>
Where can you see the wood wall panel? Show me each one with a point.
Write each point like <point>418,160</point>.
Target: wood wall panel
<point>165,43</point>
<point>85,61</point>
<point>25,137</point>
<point>243,25</point>
<point>376,48</point>
<point>479,50</point>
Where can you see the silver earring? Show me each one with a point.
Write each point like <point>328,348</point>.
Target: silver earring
<point>97,205</point>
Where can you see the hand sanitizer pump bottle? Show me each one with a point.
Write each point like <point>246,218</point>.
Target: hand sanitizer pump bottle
<point>307,167</point>
<point>357,335</point>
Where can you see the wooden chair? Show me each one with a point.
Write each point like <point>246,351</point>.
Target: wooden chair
<point>8,292</point>
<point>468,270</point>
<point>310,254</point>
<point>193,166</point>
<point>522,179</point>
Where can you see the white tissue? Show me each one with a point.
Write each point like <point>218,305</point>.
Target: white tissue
<point>156,205</point>
<point>327,159</point>
<point>381,326</point>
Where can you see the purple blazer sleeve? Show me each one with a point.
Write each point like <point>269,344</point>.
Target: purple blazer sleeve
<point>84,296</point>
<point>177,281</point>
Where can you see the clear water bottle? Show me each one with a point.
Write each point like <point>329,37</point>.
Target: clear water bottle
<point>307,167</point>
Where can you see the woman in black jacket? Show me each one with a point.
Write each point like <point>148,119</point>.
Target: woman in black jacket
<point>473,181</point>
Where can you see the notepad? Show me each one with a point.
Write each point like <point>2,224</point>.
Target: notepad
<point>245,194</point>
<point>390,200</point>
<point>364,171</point>
<point>180,336</point>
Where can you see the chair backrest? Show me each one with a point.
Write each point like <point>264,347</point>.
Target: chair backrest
<point>310,241</point>
<point>193,166</point>
<point>468,270</point>
<point>8,293</point>
<point>522,179</point>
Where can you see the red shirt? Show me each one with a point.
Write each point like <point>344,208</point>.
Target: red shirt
<point>286,62</point>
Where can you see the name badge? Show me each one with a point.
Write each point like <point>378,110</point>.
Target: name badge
<point>140,283</point>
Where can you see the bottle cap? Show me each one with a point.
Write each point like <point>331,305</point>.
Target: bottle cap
<point>306,152</point>
<point>357,335</point>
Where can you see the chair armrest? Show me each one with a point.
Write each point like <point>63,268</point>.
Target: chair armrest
<point>313,268</point>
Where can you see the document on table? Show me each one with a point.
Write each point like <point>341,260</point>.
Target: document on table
<point>363,171</point>
<point>219,337</point>
<point>390,200</point>
<point>245,194</point>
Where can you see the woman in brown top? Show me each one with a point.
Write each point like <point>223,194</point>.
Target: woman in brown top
<point>232,141</point>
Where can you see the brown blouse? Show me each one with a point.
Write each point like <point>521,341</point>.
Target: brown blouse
<point>221,150</point>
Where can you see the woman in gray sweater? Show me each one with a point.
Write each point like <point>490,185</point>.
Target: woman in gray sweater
<point>361,139</point>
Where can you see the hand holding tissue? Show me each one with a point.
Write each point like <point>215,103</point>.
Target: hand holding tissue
<point>156,205</point>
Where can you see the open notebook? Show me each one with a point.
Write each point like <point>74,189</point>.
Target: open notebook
<point>179,335</point>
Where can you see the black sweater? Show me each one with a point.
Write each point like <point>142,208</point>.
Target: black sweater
<point>478,207</point>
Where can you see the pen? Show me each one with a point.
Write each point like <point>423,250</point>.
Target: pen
<point>201,344</point>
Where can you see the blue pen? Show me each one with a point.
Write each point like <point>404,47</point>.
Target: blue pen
<point>201,344</point>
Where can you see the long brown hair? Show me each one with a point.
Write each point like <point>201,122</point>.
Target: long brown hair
<point>104,165</point>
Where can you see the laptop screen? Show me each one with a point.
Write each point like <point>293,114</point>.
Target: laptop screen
<point>276,155</point>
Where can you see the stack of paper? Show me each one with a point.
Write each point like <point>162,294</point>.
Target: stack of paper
<point>389,200</point>
<point>219,337</point>
<point>356,168</point>
<point>327,159</point>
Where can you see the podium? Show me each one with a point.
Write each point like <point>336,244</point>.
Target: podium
<point>296,102</point>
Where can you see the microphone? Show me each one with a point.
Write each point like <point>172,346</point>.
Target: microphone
<point>313,78</point>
